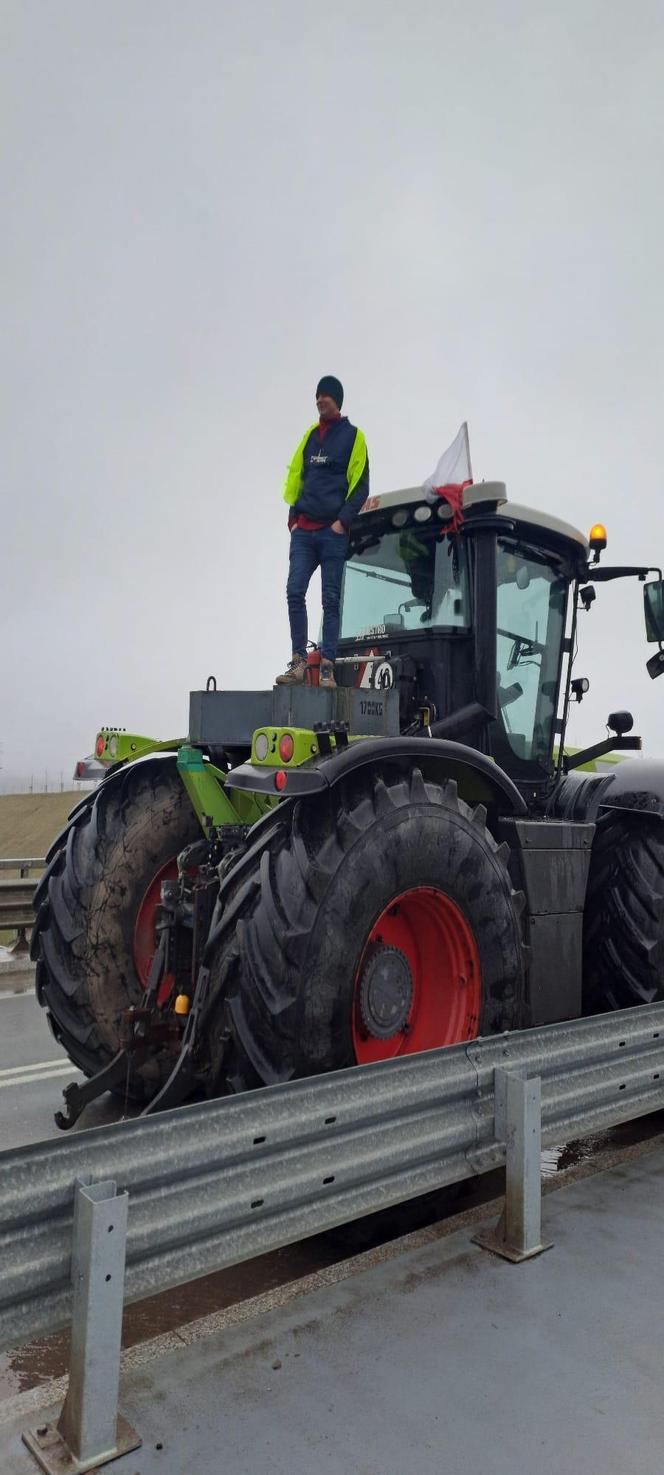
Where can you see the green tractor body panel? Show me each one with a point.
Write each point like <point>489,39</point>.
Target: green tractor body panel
<point>116,745</point>
<point>300,745</point>
<point>214,800</point>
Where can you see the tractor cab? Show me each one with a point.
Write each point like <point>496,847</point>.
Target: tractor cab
<point>473,626</point>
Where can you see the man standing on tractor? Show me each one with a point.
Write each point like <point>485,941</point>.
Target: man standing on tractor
<point>327,484</point>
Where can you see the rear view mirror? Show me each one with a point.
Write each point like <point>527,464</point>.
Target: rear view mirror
<point>653,609</point>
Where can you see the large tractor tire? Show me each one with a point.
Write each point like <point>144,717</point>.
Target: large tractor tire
<point>94,935</point>
<point>367,923</point>
<point>624,914</point>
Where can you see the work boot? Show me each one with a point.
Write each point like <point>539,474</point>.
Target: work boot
<point>326,678</point>
<point>294,673</point>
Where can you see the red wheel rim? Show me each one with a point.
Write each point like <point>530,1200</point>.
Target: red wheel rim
<point>145,933</point>
<point>435,956</point>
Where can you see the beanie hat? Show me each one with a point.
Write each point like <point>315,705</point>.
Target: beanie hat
<point>329,385</point>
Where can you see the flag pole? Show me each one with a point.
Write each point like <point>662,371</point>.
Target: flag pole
<point>470,464</point>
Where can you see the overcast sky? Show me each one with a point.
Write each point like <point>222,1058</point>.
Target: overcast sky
<point>454,207</point>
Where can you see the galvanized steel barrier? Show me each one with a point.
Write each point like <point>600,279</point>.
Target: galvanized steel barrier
<point>215,1183</point>
<point>16,896</point>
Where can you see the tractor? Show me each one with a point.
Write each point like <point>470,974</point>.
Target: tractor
<point>319,878</point>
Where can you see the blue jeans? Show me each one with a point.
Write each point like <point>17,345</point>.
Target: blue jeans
<point>308,551</point>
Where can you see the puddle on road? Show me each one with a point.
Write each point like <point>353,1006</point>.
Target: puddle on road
<point>27,1367</point>
<point>561,1159</point>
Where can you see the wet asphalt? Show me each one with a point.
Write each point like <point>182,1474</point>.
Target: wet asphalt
<point>34,1069</point>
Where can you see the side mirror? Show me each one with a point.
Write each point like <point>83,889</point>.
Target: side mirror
<point>653,609</point>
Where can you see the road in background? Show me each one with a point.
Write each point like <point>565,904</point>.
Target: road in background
<point>34,1070</point>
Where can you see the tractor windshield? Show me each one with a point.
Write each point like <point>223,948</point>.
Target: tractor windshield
<point>531,604</point>
<point>409,579</point>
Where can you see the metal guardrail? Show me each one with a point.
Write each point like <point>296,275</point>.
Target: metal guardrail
<point>215,1183</point>
<point>16,903</point>
<point>16,897</point>
<point>210,1185</point>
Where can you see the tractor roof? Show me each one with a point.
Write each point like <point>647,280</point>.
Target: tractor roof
<point>485,491</point>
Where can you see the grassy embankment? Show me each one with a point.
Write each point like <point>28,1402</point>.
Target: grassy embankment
<point>28,825</point>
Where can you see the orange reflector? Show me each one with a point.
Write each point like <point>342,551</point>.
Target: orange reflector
<point>280,780</point>
<point>286,747</point>
<point>182,1004</point>
<point>597,537</point>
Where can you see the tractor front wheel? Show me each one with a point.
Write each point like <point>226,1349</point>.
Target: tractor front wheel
<point>368,923</point>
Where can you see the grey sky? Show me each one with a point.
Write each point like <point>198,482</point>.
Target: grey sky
<point>455,207</point>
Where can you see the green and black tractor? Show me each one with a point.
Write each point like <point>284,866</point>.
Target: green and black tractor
<point>317,878</point>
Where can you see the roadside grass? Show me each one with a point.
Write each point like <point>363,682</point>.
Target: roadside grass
<point>30,822</point>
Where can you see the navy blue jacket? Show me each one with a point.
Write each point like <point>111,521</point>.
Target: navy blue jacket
<point>324,495</point>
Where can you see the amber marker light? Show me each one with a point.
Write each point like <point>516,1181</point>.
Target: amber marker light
<point>597,539</point>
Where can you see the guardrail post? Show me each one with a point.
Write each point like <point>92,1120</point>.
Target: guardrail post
<point>518,1233</point>
<point>20,947</point>
<point>89,1431</point>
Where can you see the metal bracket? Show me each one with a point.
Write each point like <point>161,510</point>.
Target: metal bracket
<point>89,1431</point>
<point>77,1097</point>
<point>183,1072</point>
<point>518,1111</point>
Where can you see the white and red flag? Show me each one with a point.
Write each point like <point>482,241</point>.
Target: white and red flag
<point>452,475</point>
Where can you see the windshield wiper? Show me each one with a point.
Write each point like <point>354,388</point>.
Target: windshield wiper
<point>384,578</point>
<point>523,647</point>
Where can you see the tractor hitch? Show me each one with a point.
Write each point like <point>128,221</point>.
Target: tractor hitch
<point>139,1029</point>
<point>77,1097</point>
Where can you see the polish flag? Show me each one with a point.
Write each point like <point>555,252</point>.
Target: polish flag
<point>451,477</point>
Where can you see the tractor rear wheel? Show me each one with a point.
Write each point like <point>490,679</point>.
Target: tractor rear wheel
<point>624,914</point>
<point>94,936</point>
<point>367,923</point>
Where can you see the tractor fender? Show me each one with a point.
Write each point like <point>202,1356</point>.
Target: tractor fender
<point>119,771</point>
<point>635,787</point>
<point>479,780</point>
<point>114,775</point>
